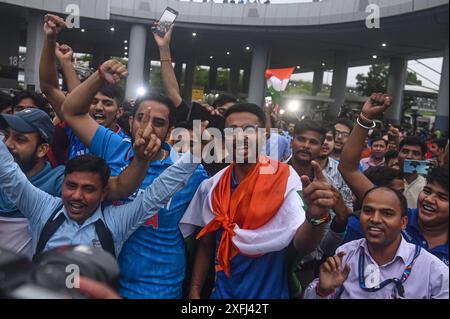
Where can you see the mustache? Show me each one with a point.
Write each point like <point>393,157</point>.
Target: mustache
<point>303,152</point>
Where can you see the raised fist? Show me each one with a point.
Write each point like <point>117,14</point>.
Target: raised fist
<point>53,25</point>
<point>376,105</point>
<point>113,71</point>
<point>64,53</point>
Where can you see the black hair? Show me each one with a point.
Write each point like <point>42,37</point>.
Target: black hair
<point>440,142</point>
<point>114,92</point>
<point>160,98</point>
<point>390,155</point>
<point>310,125</point>
<point>90,164</point>
<point>247,108</point>
<point>378,138</point>
<point>223,99</point>
<point>414,141</point>
<point>383,176</point>
<point>38,99</point>
<point>328,126</point>
<point>400,197</point>
<point>346,122</point>
<point>439,175</point>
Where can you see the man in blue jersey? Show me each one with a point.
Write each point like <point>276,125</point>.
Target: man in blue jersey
<point>252,217</point>
<point>428,223</point>
<point>106,106</point>
<point>153,260</point>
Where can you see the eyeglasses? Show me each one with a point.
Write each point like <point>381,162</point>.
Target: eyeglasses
<point>343,134</point>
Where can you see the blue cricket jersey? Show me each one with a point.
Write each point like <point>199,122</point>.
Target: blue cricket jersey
<point>77,148</point>
<point>263,277</point>
<point>153,259</point>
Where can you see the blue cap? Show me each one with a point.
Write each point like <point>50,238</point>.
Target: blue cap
<point>30,121</point>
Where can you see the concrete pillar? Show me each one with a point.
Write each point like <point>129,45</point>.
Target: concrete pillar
<point>189,79</point>
<point>395,86</point>
<point>339,84</point>
<point>246,80</point>
<point>257,86</point>
<point>235,73</point>
<point>136,62</point>
<point>317,81</point>
<point>147,64</point>
<point>9,54</point>
<point>35,39</point>
<point>442,104</point>
<point>179,72</point>
<point>212,78</point>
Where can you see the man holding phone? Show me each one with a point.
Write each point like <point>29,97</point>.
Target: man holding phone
<point>412,148</point>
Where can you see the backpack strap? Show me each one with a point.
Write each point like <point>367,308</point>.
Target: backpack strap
<point>50,227</point>
<point>105,237</point>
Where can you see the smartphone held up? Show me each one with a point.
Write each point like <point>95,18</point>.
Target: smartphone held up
<point>162,26</point>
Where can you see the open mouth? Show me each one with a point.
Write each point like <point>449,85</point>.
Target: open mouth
<point>428,209</point>
<point>76,207</point>
<point>99,118</point>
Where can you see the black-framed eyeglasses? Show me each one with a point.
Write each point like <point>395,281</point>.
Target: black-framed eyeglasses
<point>343,134</point>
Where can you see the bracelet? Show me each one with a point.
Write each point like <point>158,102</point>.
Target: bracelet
<point>318,221</point>
<point>166,60</point>
<point>364,126</point>
<point>365,118</point>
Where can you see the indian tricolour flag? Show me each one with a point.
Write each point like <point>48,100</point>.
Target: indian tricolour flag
<point>278,79</point>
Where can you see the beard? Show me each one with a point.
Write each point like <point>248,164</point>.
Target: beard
<point>26,164</point>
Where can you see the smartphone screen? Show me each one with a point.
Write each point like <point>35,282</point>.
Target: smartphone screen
<point>419,167</point>
<point>167,19</point>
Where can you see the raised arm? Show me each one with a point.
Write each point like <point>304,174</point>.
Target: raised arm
<point>64,54</point>
<point>76,105</point>
<point>125,219</point>
<point>48,75</point>
<point>350,156</point>
<point>159,192</point>
<point>169,79</point>
<point>319,197</point>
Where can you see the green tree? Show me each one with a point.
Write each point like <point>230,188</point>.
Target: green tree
<point>377,78</point>
<point>374,81</point>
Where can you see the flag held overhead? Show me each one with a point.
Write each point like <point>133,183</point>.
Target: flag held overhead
<point>278,79</point>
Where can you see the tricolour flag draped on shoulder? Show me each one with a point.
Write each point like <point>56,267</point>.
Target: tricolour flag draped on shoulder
<point>278,79</point>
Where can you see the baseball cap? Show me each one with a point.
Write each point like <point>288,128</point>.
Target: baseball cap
<point>29,121</point>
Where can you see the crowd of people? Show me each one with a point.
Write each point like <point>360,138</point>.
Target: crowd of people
<point>316,209</point>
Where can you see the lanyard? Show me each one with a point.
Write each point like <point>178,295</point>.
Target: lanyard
<point>397,281</point>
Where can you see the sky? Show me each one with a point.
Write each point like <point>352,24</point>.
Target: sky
<point>429,78</point>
